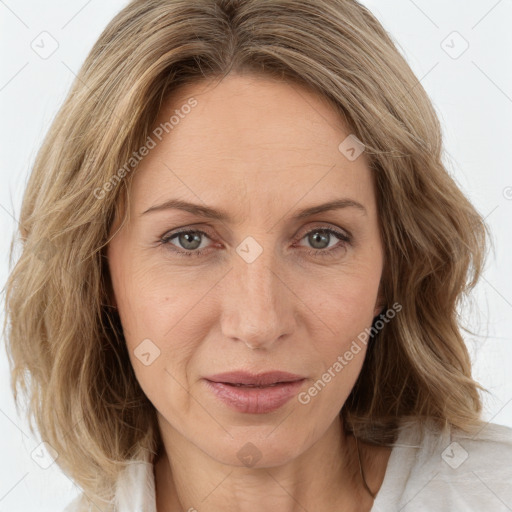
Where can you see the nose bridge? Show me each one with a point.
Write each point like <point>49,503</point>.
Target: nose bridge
<point>257,307</point>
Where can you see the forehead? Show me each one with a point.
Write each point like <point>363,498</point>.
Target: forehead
<point>245,140</point>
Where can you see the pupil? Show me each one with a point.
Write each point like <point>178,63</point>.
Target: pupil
<point>187,238</point>
<point>320,237</point>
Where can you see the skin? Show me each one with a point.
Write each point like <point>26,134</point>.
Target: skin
<point>262,150</point>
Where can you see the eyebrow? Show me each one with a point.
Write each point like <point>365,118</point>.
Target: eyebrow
<point>222,215</point>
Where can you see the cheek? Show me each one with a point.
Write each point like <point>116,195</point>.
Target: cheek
<point>342,351</point>
<point>345,301</point>
<point>148,303</point>
<point>345,305</point>
<point>155,314</point>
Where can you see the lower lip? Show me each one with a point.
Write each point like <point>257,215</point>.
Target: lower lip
<point>253,400</point>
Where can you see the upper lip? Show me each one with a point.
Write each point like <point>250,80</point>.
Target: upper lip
<point>257,379</point>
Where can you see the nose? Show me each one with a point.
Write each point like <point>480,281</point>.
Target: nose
<point>258,308</point>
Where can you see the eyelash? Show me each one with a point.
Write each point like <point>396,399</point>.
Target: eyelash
<point>345,239</point>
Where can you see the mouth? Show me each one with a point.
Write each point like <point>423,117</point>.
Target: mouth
<point>254,393</point>
<point>251,385</point>
<point>266,379</point>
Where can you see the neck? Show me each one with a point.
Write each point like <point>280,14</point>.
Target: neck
<point>324,477</point>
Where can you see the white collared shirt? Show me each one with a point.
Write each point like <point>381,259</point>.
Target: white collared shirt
<point>428,470</point>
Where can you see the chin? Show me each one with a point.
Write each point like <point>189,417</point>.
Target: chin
<point>253,448</point>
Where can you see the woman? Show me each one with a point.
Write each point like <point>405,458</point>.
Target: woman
<point>252,261</point>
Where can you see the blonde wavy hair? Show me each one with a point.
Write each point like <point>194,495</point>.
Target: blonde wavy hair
<point>64,339</point>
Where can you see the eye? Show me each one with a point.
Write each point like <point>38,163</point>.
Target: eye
<point>192,242</point>
<point>320,239</point>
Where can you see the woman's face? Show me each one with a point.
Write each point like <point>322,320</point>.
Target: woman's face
<point>269,287</point>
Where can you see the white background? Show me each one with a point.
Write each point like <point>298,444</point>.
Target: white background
<point>472,95</point>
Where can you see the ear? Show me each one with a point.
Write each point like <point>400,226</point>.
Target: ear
<point>379,309</point>
<point>380,303</point>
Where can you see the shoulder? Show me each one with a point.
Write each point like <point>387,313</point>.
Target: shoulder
<point>445,470</point>
<point>79,504</point>
<point>134,490</point>
<point>83,504</point>
<point>484,453</point>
